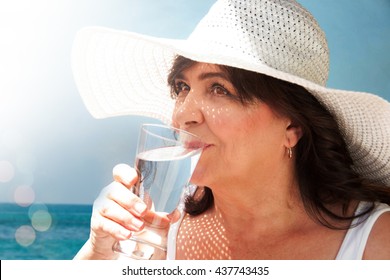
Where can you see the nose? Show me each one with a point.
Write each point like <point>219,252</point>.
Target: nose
<point>188,111</point>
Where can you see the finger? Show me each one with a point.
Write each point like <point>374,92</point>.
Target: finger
<point>121,195</point>
<point>156,219</point>
<point>100,224</point>
<point>118,214</point>
<point>125,174</point>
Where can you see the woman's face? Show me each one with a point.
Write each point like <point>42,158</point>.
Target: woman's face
<point>242,141</point>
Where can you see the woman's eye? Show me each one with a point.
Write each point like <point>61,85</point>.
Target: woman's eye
<point>219,90</point>
<point>181,88</point>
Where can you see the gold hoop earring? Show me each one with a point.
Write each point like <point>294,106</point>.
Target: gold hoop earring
<point>289,152</point>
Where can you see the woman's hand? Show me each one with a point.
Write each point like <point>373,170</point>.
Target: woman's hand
<point>117,212</point>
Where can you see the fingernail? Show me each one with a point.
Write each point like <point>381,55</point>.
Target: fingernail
<point>124,173</point>
<point>139,208</point>
<point>128,177</point>
<point>126,233</point>
<point>137,223</point>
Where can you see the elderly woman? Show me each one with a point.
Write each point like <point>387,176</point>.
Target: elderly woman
<point>291,169</point>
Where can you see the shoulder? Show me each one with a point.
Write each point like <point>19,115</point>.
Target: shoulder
<point>378,243</point>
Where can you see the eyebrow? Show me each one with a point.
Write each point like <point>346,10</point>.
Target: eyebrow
<point>207,75</point>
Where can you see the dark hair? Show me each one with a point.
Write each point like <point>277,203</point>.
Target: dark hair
<point>323,163</point>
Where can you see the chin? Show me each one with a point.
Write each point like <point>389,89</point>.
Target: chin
<point>201,172</point>
<point>198,177</point>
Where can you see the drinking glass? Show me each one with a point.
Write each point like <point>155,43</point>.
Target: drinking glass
<point>165,160</point>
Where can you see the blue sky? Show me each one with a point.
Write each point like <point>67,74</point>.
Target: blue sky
<point>53,151</point>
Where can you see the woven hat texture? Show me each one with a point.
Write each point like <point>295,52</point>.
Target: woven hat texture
<point>124,73</point>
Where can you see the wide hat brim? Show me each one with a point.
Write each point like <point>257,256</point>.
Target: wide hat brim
<point>124,73</point>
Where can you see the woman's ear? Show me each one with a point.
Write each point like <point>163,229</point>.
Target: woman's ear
<point>293,134</point>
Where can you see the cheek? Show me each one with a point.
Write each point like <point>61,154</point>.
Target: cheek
<point>177,108</point>
<point>218,115</point>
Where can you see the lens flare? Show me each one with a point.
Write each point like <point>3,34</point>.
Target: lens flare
<point>41,220</point>
<point>36,207</point>
<point>7,171</point>
<point>24,195</point>
<point>25,236</point>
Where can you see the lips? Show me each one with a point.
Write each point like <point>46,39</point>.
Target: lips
<point>206,146</point>
<point>196,145</point>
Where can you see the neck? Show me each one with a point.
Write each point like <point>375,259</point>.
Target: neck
<point>266,207</point>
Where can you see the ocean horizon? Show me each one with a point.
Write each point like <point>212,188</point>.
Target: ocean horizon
<point>43,231</point>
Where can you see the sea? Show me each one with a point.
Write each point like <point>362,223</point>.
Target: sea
<point>43,231</point>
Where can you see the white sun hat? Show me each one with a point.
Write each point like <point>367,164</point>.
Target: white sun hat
<point>123,73</point>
